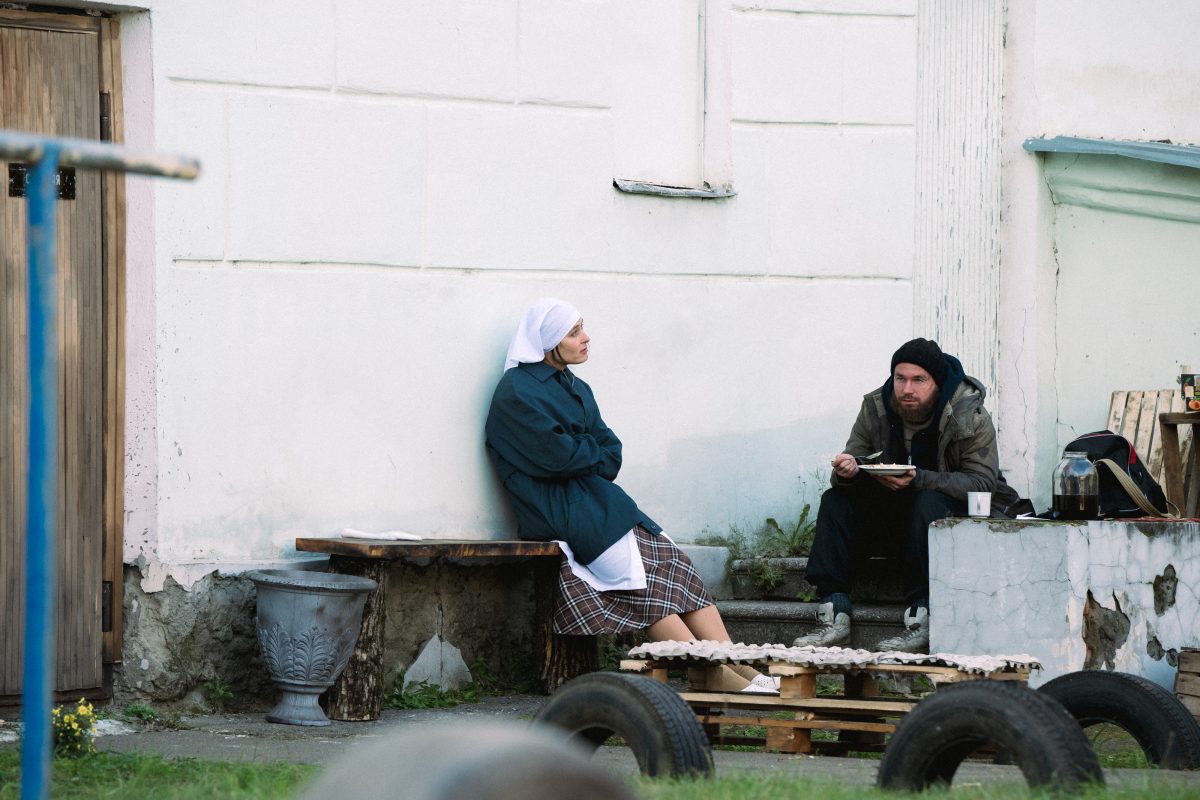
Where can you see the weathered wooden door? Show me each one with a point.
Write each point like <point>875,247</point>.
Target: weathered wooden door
<point>53,74</point>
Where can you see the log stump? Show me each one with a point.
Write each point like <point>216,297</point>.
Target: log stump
<point>358,694</point>
<point>563,657</point>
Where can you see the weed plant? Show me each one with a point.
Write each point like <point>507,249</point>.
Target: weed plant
<point>771,540</point>
<point>428,695</point>
<point>217,694</point>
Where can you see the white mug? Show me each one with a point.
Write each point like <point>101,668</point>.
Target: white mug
<point>979,504</point>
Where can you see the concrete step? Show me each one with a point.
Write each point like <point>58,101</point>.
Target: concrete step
<point>781,621</point>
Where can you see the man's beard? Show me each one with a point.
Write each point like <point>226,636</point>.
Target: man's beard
<point>918,414</point>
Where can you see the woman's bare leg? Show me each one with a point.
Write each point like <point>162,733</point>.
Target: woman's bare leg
<point>706,623</point>
<point>703,623</point>
<point>670,629</point>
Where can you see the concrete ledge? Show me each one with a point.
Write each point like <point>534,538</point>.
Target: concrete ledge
<point>1115,595</point>
<point>779,622</point>
<point>711,563</point>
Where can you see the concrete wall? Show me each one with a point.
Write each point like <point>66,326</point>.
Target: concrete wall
<point>1101,70</point>
<point>315,326</point>
<point>1096,595</point>
<point>180,638</point>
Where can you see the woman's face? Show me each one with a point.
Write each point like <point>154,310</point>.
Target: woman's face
<point>573,349</point>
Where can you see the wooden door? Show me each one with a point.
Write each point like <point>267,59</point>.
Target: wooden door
<point>53,74</point>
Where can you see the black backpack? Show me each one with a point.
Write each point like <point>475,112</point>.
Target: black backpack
<point>1126,488</point>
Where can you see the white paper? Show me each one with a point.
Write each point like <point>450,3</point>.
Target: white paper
<point>389,536</point>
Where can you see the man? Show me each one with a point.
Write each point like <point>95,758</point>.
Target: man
<point>928,414</point>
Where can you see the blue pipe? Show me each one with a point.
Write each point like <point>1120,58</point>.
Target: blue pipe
<point>41,488</point>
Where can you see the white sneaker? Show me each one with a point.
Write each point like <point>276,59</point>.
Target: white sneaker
<point>915,638</point>
<point>833,630</point>
<point>762,684</point>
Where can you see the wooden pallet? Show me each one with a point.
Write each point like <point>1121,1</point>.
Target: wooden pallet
<point>1134,415</point>
<point>860,715</point>
<point>1187,680</point>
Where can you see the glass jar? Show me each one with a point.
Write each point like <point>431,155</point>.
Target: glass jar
<point>1076,487</point>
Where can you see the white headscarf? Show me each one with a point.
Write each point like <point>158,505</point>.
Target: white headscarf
<point>545,324</point>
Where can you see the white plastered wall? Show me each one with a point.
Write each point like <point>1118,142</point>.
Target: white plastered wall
<point>318,322</point>
<point>1091,300</point>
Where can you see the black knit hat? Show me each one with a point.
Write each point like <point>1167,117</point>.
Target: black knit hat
<point>926,354</point>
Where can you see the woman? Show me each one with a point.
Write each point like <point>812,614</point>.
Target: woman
<point>557,460</point>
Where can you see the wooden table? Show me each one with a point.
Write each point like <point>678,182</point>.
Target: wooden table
<point>1186,499</point>
<point>861,715</point>
<point>358,694</point>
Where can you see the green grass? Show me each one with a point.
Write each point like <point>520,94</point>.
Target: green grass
<point>132,777</point>
<point>783,787</point>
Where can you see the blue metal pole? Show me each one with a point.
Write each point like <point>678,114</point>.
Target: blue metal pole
<point>41,490</point>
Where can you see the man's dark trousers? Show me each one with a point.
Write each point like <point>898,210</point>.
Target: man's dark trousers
<point>864,518</point>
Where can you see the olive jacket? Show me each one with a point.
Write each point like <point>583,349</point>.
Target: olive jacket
<point>966,458</point>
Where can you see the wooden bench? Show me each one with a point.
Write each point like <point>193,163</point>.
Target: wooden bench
<point>358,694</point>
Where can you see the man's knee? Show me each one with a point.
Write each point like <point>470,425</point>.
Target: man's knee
<point>929,504</point>
<point>834,501</point>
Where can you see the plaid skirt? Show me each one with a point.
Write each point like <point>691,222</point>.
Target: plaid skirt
<point>672,587</point>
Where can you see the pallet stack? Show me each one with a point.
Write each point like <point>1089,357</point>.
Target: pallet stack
<point>1187,680</point>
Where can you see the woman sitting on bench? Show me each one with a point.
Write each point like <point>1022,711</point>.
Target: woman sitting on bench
<point>558,460</point>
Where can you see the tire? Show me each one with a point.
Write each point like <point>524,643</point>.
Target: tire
<point>1037,733</point>
<point>652,718</point>
<point>1162,726</point>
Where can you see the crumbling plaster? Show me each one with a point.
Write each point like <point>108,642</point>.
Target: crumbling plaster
<point>1076,595</point>
<point>177,638</point>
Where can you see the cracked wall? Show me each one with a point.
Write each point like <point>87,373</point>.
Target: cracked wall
<point>1112,595</point>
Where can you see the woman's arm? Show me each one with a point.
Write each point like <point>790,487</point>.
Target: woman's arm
<point>536,436</point>
<point>610,446</point>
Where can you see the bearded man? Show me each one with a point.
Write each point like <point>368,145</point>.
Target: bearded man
<point>929,417</point>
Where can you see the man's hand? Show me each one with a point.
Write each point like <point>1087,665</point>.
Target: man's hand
<point>844,466</point>
<point>896,482</point>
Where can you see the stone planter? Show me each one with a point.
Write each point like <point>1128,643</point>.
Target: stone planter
<point>307,625</point>
<point>744,577</point>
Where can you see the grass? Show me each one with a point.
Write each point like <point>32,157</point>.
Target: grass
<point>133,777</point>
<point>740,786</point>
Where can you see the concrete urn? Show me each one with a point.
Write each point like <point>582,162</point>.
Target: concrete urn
<point>307,626</point>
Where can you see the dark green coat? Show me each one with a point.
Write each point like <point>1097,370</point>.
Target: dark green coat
<point>557,460</point>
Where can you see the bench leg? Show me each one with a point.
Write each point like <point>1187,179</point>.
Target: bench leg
<point>358,694</point>
<point>562,657</point>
